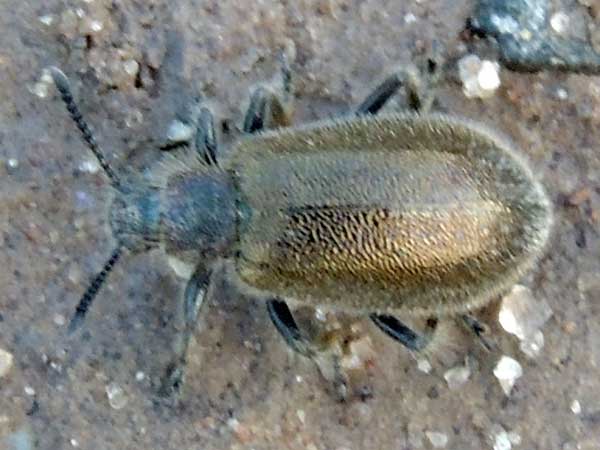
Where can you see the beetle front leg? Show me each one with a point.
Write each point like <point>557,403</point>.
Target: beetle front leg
<point>193,299</point>
<point>196,125</point>
<point>268,108</point>
<point>206,137</point>
<point>394,328</point>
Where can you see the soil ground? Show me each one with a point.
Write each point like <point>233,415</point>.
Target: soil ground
<point>133,64</point>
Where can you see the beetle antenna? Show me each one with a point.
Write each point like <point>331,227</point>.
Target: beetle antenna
<point>93,289</point>
<point>62,84</point>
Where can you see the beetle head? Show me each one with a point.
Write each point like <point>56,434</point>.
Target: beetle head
<point>135,218</point>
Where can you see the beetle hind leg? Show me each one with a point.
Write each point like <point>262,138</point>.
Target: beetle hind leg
<point>416,81</point>
<point>409,78</point>
<point>270,108</point>
<point>400,332</point>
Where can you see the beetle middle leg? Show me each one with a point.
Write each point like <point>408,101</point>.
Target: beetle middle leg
<point>269,108</point>
<point>394,328</point>
<point>193,299</point>
<point>284,322</point>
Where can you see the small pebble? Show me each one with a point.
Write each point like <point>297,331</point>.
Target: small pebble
<point>502,441</point>
<point>90,26</point>
<point>131,67</point>
<point>301,415</point>
<point>89,166</point>
<point>140,376</point>
<point>410,18</point>
<point>320,315</point>
<point>46,19</point>
<point>59,320</point>
<point>74,443</point>
<point>6,362</point>
<point>179,132</point>
<point>29,391</point>
<point>40,89</point>
<point>576,407</point>
<point>457,376</point>
<point>479,77</point>
<point>562,94</point>
<point>12,163</point>
<point>424,365</point>
<point>523,315</point>
<point>437,439</point>
<point>507,371</point>
<point>116,396</point>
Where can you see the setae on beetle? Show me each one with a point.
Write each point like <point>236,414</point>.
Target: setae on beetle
<point>407,214</point>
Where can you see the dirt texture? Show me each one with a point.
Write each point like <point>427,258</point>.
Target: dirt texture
<point>133,66</point>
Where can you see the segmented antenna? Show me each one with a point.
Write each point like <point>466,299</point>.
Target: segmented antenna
<point>93,289</point>
<point>62,84</point>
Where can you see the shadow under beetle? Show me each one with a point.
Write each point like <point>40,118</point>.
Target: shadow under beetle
<point>415,214</point>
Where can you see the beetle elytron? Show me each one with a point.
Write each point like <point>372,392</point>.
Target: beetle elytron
<point>412,213</point>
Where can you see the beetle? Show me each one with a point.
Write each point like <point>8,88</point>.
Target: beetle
<point>413,214</point>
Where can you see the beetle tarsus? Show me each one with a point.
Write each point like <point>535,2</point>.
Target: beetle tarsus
<point>479,329</point>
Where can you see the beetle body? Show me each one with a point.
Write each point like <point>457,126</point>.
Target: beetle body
<point>415,214</point>
<point>402,213</point>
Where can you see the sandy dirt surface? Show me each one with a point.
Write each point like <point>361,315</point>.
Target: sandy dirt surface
<point>133,65</point>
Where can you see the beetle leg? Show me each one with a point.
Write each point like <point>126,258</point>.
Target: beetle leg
<point>391,326</point>
<point>193,299</point>
<point>409,78</point>
<point>479,329</point>
<point>269,109</point>
<point>196,125</point>
<point>282,318</point>
<point>416,82</point>
<point>206,138</point>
